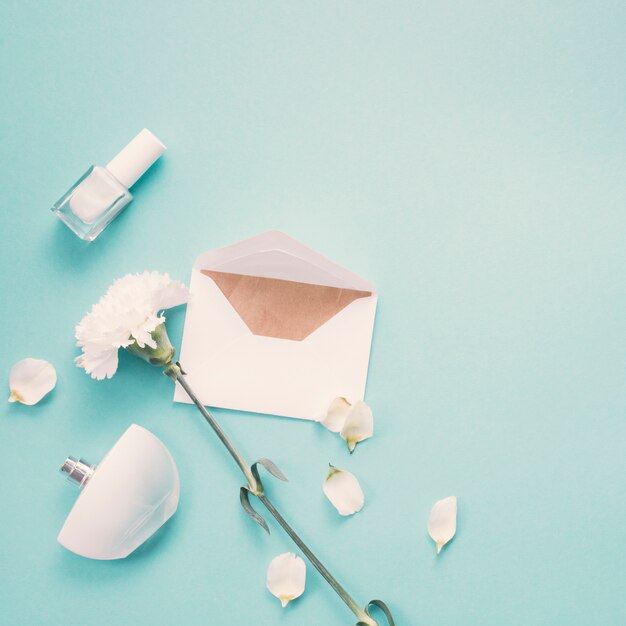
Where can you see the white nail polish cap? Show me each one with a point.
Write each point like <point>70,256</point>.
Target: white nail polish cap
<point>131,163</point>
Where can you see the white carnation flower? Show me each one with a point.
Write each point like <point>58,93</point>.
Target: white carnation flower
<point>126,316</point>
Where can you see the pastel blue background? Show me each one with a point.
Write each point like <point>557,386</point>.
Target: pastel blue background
<point>468,158</point>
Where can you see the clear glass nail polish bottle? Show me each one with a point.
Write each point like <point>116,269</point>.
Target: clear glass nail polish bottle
<point>102,192</point>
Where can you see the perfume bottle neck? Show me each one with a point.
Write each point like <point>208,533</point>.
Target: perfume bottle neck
<point>78,471</point>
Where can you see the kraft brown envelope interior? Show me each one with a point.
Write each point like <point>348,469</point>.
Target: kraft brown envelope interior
<point>283,309</point>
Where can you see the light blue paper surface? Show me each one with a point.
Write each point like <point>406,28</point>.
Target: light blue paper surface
<point>468,159</point>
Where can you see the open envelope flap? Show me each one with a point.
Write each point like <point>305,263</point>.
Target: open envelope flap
<point>276,255</point>
<point>283,309</point>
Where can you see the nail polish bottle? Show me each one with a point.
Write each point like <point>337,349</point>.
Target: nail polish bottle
<point>102,192</point>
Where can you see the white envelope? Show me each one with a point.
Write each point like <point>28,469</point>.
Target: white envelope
<point>274,327</point>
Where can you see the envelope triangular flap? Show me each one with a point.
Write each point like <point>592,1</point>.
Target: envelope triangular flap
<point>283,309</point>
<point>275,254</point>
<point>279,287</point>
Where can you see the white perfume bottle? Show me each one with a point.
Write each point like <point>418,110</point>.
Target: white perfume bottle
<point>102,192</point>
<point>124,500</point>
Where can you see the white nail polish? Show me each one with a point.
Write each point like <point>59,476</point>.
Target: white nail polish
<point>102,192</point>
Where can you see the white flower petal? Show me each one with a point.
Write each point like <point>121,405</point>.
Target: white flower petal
<point>101,365</point>
<point>141,333</point>
<point>442,521</point>
<point>336,415</point>
<point>172,294</point>
<point>286,577</point>
<point>359,425</point>
<point>344,491</point>
<point>30,380</point>
<point>128,312</point>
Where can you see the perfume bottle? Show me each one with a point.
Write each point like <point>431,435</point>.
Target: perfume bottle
<point>124,500</point>
<point>102,192</point>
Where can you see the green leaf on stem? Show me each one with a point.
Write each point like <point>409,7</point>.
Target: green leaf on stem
<point>384,608</point>
<point>271,467</point>
<point>247,507</point>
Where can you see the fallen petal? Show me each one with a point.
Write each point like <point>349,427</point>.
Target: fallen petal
<point>336,414</point>
<point>30,380</point>
<point>442,521</point>
<point>343,490</point>
<point>359,425</point>
<point>286,577</point>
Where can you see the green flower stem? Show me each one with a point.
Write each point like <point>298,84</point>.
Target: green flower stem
<point>223,437</point>
<point>175,373</point>
<point>364,618</point>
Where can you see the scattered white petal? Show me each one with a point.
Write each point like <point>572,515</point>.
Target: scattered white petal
<point>344,491</point>
<point>30,380</point>
<point>359,425</point>
<point>129,312</point>
<point>442,521</point>
<point>286,577</point>
<point>336,414</point>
